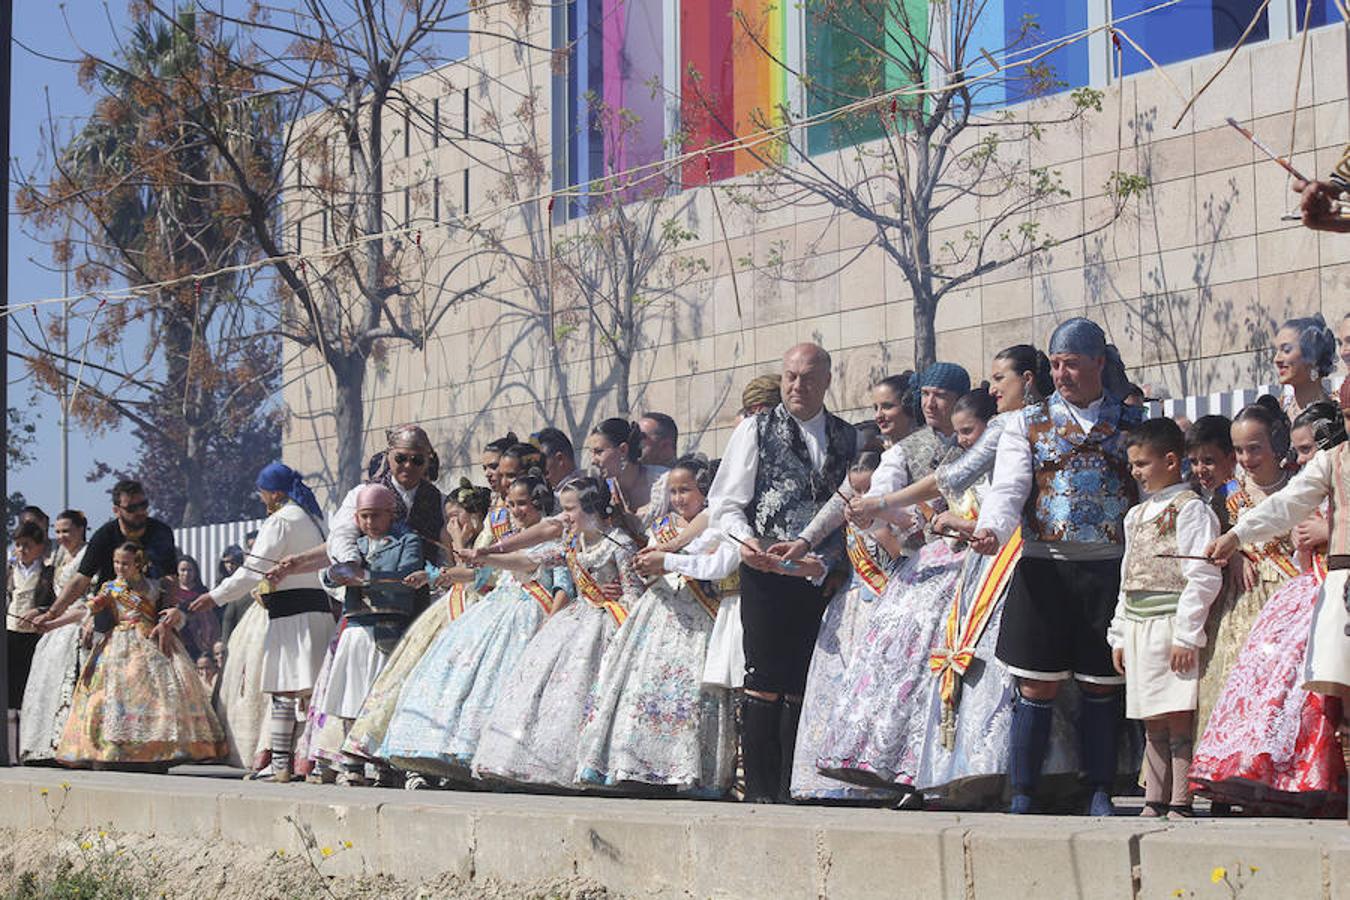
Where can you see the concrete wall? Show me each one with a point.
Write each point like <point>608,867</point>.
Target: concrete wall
<point>1191,282</point>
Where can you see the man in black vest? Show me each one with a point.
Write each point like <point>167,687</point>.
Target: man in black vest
<point>779,468</point>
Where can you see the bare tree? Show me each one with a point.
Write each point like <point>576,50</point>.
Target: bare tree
<point>352,279</point>
<point>943,157</point>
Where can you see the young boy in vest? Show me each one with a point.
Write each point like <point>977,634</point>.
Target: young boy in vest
<point>1166,589</point>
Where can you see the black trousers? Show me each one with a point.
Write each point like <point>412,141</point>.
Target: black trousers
<point>21,647</point>
<point>781,616</point>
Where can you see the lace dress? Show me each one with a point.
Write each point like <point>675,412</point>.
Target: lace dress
<point>51,678</point>
<point>531,735</point>
<point>1236,610</point>
<point>1270,745</point>
<point>136,705</point>
<point>450,693</point>
<point>650,720</point>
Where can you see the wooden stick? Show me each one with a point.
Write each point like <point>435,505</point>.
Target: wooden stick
<point>1260,145</point>
<point>1183,556</point>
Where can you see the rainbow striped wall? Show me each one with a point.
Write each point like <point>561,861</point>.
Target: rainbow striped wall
<point>730,84</point>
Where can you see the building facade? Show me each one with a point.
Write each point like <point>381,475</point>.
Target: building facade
<point>495,172</point>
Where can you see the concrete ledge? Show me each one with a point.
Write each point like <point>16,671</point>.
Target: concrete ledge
<point>650,848</point>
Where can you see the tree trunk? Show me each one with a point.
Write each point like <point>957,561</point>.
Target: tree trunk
<point>349,379</point>
<point>622,391</point>
<point>194,480</point>
<point>925,333</point>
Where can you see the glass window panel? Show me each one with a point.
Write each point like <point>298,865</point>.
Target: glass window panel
<point>1324,12</point>
<point>1191,28</point>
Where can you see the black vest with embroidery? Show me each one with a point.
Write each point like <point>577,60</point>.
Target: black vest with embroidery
<point>788,490</point>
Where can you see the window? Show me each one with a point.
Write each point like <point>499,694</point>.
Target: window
<point>298,243</point>
<point>407,207</point>
<point>843,67</point>
<point>407,131</point>
<point>1016,31</point>
<point>435,121</point>
<point>465,94</point>
<point>436,200</point>
<point>1324,12</point>
<point>465,207</point>
<point>1191,28</point>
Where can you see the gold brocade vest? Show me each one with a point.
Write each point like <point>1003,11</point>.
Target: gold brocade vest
<point>1275,560</point>
<point>1340,500</point>
<point>1144,568</point>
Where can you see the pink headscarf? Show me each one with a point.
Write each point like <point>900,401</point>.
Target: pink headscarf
<point>376,496</point>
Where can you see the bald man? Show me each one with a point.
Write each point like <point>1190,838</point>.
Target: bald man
<point>779,468</point>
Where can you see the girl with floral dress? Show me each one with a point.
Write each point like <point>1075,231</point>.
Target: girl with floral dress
<point>447,697</point>
<point>139,703</point>
<point>531,736</point>
<point>650,721</point>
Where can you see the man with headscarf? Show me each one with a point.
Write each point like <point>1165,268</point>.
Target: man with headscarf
<point>409,469</point>
<point>779,468</point>
<point>1063,477</point>
<point>299,617</point>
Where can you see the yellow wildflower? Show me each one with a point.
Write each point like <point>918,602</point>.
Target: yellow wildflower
<point>65,785</point>
<point>347,845</point>
<point>1178,893</point>
<point>1254,869</point>
<point>43,792</point>
<point>85,845</point>
<point>327,852</point>
<point>103,834</point>
<point>281,854</point>
<point>1219,874</point>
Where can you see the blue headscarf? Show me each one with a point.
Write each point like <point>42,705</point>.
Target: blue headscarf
<point>281,477</point>
<point>945,376</point>
<point>1080,336</point>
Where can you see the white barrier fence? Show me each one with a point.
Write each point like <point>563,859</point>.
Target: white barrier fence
<point>205,543</point>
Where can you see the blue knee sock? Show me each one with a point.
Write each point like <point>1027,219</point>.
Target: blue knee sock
<point>1099,718</point>
<point>1029,743</point>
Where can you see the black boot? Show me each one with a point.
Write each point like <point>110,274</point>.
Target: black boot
<point>760,750</point>
<point>788,718</point>
<point>1099,718</point>
<point>1029,742</point>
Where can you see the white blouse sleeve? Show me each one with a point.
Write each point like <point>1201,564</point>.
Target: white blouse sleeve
<point>1197,527</point>
<point>697,562</point>
<point>271,544</point>
<point>734,487</point>
<point>342,530</point>
<point>1289,506</point>
<point>1001,511</point>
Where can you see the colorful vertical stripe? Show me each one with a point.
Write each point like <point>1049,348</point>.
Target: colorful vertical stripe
<point>733,82</point>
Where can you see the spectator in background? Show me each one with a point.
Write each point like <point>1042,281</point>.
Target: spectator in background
<point>202,629</point>
<point>208,671</point>
<point>560,458</point>
<point>659,438</point>
<point>29,585</point>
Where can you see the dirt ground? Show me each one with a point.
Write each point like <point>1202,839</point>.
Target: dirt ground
<point>133,867</point>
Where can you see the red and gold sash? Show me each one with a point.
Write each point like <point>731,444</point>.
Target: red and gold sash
<point>540,595</point>
<point>500,520</point>
<point>951,660</point>
<point>665,530</point>
<point>706,595</point>
<point>589,589</point>
<point>864,564</point>
<point>454,602</point>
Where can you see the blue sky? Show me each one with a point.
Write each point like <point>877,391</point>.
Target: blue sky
<point>55,30</point>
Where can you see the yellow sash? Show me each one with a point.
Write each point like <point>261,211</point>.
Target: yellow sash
<point>540,595</point>
<point>864,564</point>
<point>960,635</point>
<point>454,602</point>
<point>589,589</point>
<point>706,595</point>
<point>665,530</point>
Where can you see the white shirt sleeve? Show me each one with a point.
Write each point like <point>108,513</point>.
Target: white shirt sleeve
<point>1001,511</point>
<point>891,474</point>
<point>270,543</point>
<point>1289,506</point>
<point>697,562</point>
<point>1197,527</point>
<point>342,531</point>
<point>734,487</point>
<point>1115,632</point>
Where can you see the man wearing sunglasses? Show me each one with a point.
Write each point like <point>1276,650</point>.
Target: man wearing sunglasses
<point>131,522</point>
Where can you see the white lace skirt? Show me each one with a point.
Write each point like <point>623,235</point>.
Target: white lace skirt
<point>1327,666</point>
<point>357,662</point>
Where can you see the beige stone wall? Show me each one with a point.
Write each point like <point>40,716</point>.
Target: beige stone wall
<point>1191,282</point>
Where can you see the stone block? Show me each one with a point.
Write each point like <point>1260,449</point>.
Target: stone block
<point>422,842</point>
<point>1255,861</point>
<point>524,846</point>
<point>898,862</point>
<point>1075,858</point>
<point>758,856</point>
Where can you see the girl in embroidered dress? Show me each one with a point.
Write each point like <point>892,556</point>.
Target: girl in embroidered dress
<point>446,698</point>
<point>465,512</point>
<point>59,655</point>
<point>1271,743</point>
<point>875,735</point>
<point>139,703</point>
<point>649,720</point>
<point>872,556</point>
<point>1261,442</point>
<point>531,735</point>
